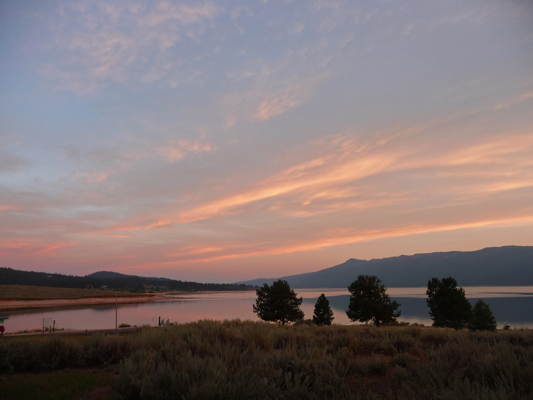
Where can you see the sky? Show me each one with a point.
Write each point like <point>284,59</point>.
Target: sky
<point>219,141</point>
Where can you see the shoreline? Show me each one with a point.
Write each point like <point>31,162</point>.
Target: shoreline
<point>8,305</point>
<point>12,305</point>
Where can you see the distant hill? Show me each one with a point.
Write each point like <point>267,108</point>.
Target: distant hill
<point>114,280</point>
<point>106,275</point>
<point>493,266</point>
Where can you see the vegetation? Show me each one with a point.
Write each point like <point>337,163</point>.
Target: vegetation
<point>481,318</point>
<point>323,315</point>
<point>62,385</point>
<point>9,276</point>
<point>19,292</point>
<point>370,302</point>
<point>254,360</point>
<point>278,303</point>
<point>447,303</point>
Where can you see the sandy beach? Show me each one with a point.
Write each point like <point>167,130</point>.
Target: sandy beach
<point>8,305</point>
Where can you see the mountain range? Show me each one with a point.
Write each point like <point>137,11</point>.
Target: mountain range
<point>492,266</point>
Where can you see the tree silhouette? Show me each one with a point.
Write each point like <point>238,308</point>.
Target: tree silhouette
<point>447,303</point>
<point>481,318</point>
<point>369,302</point>
<point>278,303</point>
<point>323,314</point>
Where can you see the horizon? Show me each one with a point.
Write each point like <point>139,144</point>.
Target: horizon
<point>233,140</point>
<point>279,277</point>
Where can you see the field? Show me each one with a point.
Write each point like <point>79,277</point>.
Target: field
<point>254,360</point>
<point>20,292</point>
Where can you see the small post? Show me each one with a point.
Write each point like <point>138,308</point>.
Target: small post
<point>116,309</point>
<point>159,323</point>
<point>54,327</point>
<point>43,326</point>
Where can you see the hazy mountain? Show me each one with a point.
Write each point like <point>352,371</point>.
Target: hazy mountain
<point>493,266</point>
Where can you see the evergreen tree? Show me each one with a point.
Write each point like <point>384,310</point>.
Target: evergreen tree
<point>323,314</point>
<point>481,318</point>
<point>447,303</point>
<point>369,302</point>
<point>278,303</point>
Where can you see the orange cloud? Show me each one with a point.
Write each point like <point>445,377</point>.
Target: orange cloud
<point>32,246</point>
<point>7,207</point>
<point>176,151</point>
<point>276,106</point>
<point>334,237</point>
<point>345,163</point>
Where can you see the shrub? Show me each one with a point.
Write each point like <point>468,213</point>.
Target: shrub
<point>56,353</point>
<point>254,360</point>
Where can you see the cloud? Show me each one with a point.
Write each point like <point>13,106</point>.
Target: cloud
<point>101,42</point>
<point>516,100</point>
<point>176,150</point>
<point>10,247</point>
<point>326,239</point>
<point>357,174</point>
<point>98,165</point>
<point>272,107</point>
<point>271,90</point>
<point>10,162</point>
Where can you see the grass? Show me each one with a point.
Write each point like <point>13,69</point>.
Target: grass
<point>21,292</point>
<point>63,385</point>
<point>253,360</point>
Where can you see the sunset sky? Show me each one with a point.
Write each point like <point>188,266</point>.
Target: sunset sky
<point>220,141</point>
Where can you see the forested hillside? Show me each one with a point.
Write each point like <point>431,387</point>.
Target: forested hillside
<point>9,276</point>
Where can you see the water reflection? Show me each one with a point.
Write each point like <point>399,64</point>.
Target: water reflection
<point>510,305</point>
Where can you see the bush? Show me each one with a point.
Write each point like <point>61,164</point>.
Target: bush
<point>254,360</point>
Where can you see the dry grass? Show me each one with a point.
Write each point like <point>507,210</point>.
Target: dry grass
<point>20,292</point>
<point>254,360</point>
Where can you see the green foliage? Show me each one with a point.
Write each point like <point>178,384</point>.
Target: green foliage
<point>278,303</point>
<point>123,325</point>
<point>322,314</point>
<point>481,318</point>
<point>369,302</point>
<point>447,303</point>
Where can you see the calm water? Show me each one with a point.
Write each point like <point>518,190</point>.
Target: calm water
<point>511,305</point>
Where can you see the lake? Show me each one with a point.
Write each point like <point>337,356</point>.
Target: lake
<point>511,305</point>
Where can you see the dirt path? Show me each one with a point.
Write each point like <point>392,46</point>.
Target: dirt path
<point>87,332</point>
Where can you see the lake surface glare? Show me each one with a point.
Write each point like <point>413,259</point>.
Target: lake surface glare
<point>511,305</point>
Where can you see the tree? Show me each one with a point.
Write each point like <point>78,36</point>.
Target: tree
<point>278,303</point>
<point>369,302</point>
<point>447,303</point>
<point>481,318</point>
<point>323,314</point>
